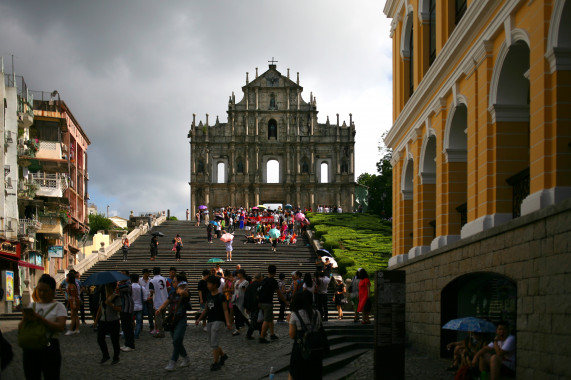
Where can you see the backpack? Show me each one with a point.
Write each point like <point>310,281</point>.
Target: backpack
<point>33,335</point>
<point>265,291</point>
<point>6,352</point>
<point>313,342</point>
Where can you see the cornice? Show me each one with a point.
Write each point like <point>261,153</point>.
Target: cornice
<point>440,78</point>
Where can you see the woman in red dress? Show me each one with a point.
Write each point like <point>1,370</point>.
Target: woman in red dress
<point>364,291</point>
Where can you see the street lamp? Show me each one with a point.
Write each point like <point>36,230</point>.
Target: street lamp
<point>107,211</point>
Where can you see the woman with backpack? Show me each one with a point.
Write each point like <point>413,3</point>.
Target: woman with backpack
<point>302,319</point>
<point>43,355</point>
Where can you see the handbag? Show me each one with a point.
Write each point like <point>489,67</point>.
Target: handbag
<point>172,319</point>
<point>33,335</point>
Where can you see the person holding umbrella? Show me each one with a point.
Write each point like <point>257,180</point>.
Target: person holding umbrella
<point>107,322</point>
<point>228,239</point>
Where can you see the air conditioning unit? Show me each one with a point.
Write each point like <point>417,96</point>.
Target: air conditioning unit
<point>9,182</point>
<point>9,137</point>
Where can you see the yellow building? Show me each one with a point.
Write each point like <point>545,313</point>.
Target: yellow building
<point>481,144</point>
<point>481,129</point>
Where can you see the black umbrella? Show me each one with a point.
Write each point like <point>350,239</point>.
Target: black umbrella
<point>101,278</point>
<point>219,217</point>
<point>158,233</point>
<point>324,252</point>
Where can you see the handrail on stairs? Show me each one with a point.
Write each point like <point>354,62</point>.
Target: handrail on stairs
<point>86,264</point>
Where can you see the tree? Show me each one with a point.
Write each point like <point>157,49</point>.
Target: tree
<point>380,186</point>
<point>98,222</point>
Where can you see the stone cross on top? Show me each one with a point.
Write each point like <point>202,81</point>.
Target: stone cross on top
<point>272,62</point>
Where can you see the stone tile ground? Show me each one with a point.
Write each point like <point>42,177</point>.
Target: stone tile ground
<point>248,359</point>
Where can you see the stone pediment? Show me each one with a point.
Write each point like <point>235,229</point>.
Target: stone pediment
<point>272,78</point>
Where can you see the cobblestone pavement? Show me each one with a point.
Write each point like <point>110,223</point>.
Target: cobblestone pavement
<point>247,359</point>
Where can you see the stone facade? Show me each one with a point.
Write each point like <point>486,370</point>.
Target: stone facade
<point>232,163</point>
<point>535,252</point>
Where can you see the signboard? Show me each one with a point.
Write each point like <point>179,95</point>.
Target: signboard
<point>36,258</point>
<point>55,251</point>
<point>390,290</point>
<point>9,285</point>
<point>11,250</point>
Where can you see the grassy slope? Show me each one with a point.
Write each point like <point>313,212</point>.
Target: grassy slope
<point>356,240</point>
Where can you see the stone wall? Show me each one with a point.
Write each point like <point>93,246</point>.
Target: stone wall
<point>535,252</point>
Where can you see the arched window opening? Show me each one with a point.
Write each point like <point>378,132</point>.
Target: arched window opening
<point>200,167</point>
<point>273,171</point>
<point>432,31</point>
<point>272,129</point>
<point>273,105</point>
<point>221,175</point>
<point>324,178</point>
<point>240,166</point>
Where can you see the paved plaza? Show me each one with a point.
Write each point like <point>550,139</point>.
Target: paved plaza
<point>247,359</point>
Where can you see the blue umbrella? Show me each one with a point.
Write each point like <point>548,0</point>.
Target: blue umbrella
<point>215,260</point>
<point>274,233</point>
<point>101,278</point>
<point>213,222</point>
<point>288,206</point>
<point>470,324</point>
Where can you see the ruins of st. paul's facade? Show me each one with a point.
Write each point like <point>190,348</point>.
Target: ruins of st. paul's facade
<point>272,150</point>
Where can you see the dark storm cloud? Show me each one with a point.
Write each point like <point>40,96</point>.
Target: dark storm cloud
<point>134,72</point>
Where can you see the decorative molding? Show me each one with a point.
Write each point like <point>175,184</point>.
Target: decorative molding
<point>398,259</point>
<point>467,31</point>
<point>455,155</point>
<point>405,34</point>
<point>442,241</point>
<point>427,178</point>
<point>559,59</point>
<point>484,223</point>
<point>544,198</point>
<point>509,113</point>
<point>483,51</point>
<point>418,251</point>
<point>439,105</point>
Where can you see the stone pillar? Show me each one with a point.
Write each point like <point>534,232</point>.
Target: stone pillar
<point>298,160</point>
<point>257,104</point>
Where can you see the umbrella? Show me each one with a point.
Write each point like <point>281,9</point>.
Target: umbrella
<point>158,233</point>
<point>288,206</point>
<point>324,252</point>
<point>202,207</point>
<point>213,222</point>
<point>262,206</point>
<point>101,278</point>
<point>215,260</point>
<point>219,217</point>
<point>299,216</point>
<point>274,233</point>
<point>227,237</point>
<point>254,208</point>
<point>331,260</point>
<point>470,324</point>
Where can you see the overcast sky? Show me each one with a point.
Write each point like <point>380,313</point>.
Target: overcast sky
<point>134,72</point>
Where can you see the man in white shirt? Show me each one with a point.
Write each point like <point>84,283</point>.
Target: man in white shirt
<point>145,281</point>
<point>498,358</point>
<point>140,296</point>
<point>159,291</point>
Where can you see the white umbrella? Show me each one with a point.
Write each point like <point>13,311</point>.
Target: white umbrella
<point>331,260</point>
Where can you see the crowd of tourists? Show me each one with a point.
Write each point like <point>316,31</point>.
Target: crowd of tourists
<point>231,300</point>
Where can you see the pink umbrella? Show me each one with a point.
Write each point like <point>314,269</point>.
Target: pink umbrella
<point>227,237</point>
<point>299,216</point>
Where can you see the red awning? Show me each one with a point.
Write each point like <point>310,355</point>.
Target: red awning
<point>6,256</point>
<point>29,265</point>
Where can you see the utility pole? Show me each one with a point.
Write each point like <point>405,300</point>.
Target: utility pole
<point>107,211</point>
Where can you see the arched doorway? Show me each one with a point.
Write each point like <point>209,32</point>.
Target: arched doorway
<point>324,173</point>
<point>407,192</point>
<point>273,171</point>
<point>456,148</point>
<point>221,172</point>
<point>484,295</point>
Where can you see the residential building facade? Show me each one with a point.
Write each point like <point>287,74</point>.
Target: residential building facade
<point>482,168</point>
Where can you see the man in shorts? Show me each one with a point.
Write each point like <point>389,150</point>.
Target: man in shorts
<point>218,317</point>
<point>266,299</point>
<point>159,292</point>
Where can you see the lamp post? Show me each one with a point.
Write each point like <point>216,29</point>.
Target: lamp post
<point>107,211</point>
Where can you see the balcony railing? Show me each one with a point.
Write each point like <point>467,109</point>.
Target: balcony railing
<point>49,185</point>
<point>26,227</point>
<point>49,150</point>
<point>520,190</point>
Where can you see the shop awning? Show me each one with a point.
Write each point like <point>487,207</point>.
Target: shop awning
<point>29,265</point>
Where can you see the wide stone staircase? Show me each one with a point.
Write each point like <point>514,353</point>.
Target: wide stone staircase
<point>348,340</point>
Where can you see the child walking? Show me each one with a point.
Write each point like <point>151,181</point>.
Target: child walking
<point>218,316</point>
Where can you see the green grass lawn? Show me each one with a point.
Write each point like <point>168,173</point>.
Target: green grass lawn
<point>356,240</point>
